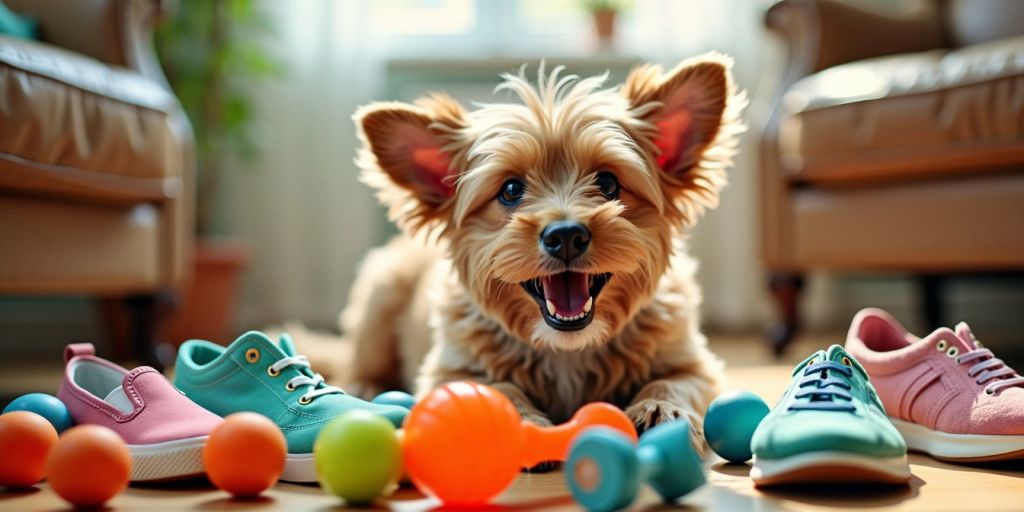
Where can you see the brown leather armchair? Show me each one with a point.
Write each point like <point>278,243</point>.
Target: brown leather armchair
<point>96,165</point>
<point>896,144</point>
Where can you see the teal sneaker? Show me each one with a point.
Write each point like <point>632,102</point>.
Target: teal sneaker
<point>829,426</point>
<point>255,374</point>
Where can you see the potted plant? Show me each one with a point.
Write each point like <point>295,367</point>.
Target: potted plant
<point>604,13</point>
<point>209,49</point>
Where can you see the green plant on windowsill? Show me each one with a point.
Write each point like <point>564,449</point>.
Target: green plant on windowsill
<point>212,52</point>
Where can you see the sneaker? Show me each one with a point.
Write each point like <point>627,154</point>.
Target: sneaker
<point>165,431</point>
<point>948,395</point>
<point>257,375</point>
<point>829,426</point>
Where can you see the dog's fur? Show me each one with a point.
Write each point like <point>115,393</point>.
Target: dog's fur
<point>443,302</point>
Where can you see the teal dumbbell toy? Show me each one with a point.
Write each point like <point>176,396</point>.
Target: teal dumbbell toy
<point>730,423</point>
<point>604,470</point>
<point>399,398</point>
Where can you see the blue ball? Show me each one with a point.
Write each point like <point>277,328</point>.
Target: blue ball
<point>47,406</point>
<point>399,398</point>
<point>730,423</point>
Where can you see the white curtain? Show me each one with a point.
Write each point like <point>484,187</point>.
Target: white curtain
<point>310,221</point>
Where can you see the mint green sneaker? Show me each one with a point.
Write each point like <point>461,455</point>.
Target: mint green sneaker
<point>255,374</point>
<point>829,426</point>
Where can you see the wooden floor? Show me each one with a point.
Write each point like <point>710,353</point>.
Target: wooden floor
<point>935,486</point>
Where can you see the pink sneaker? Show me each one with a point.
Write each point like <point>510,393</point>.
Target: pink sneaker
<point>165,431</point>
<point>949,396</point>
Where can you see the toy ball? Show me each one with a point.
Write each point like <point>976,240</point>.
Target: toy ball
<point>245,454</point>
<point>465,442</point>
<point>358,457</point>
<point>399,398</point>
<point>604,470</point>
<point>26,438</point>
<point>47,406</point>
<point>730,423</point>
<point>89,465</point>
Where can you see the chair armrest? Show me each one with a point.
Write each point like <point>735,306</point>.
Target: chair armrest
<point>826,33</point>
<point>117,32</point>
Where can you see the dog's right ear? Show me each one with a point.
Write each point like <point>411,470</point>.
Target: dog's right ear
<point>407,154</point>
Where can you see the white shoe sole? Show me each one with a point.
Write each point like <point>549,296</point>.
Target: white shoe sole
<point>299,468</point>
<point>960,447</point>
<point>181,458</point>
<point>831,467</point>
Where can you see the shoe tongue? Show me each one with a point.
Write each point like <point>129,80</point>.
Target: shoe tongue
<point>119,399</point>
<point>963,331</point>
<point>836,353</point>
<point>286,344</point>
<point>568,291</point>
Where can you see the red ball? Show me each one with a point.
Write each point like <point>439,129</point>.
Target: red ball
<point>89,465</point>
<point>26,438</point>
<point>245,454</point>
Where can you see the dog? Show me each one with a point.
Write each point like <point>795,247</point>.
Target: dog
<point>543,247</point>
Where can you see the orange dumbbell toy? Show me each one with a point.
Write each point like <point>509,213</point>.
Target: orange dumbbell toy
<point>465,442</point>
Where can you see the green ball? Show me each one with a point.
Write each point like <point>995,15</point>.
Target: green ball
<point>358,457</point>
<point>730,423</point>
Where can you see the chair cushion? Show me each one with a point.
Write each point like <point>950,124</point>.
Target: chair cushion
<point>908,115</point>
<point>70,124</point>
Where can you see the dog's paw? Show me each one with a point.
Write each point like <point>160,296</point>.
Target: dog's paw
<point>649,413</point>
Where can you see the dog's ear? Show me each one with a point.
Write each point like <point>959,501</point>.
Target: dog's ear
<point>408,155</point>
<point>685,107</point>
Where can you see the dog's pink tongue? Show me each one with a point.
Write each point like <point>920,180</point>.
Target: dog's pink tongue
<point>568,291</point>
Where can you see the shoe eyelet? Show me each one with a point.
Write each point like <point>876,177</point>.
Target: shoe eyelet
<point>288,387</point>
<point>847,362</point>
<point>272,372</point>
<point>304,400</point>
<point>252,355</point>
<point>989,392</point>
<point>941,346</point>
<point>953,351</point>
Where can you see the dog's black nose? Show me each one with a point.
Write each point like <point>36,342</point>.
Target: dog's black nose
<point>565,239</point>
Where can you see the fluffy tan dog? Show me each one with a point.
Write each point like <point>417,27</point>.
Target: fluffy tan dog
<point>543,252</point>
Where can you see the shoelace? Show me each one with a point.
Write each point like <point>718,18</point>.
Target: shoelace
<point>316,381</point>
<point>824,389</point>
<point>990,367</point>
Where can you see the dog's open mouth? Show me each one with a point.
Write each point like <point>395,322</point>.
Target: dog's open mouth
<point>567,299</point>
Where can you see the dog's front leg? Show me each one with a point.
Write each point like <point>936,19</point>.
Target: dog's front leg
<point>682,397</point>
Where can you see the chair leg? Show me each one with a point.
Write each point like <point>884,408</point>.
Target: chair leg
<point>933,304</point>
<point>785,288</point>
<point>146,314</point>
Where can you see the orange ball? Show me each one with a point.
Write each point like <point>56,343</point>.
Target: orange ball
<point>89,465</point>
<point>25,440</point>
<point>463,443</point>
<point>245,454</point>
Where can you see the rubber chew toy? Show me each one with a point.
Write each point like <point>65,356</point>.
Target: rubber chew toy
<point>465,442</point>
<point>604,470</point>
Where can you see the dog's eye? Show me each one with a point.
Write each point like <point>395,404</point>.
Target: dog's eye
<point>608,184</point>
<point>511,192</point>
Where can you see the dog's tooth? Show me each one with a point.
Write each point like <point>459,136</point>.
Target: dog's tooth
<point>551,307</point>
<point>588,305</point>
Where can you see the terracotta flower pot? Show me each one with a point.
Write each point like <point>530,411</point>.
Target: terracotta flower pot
<point>604,25</point>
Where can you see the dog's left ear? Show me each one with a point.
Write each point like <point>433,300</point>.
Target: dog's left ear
<point>685,107</point>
